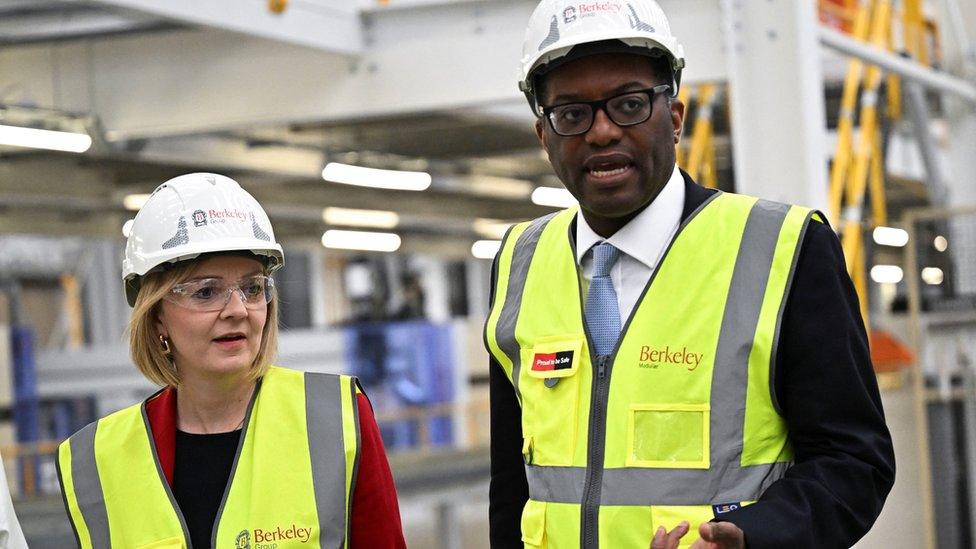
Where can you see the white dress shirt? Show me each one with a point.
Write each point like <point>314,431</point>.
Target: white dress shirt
<point>642,242</point>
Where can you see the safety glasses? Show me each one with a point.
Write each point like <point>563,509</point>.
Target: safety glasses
<point>213,294</point>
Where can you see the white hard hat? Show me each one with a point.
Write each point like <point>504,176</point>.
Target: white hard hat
<point>195,214</point>
<point>557,26</point>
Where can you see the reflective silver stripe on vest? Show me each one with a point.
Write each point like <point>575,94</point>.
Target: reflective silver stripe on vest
<point>725,480</point>
<point>88,486</point>
<point>323,414</point>
<point>735,341</point>
<point>639,486</point>
<point>517,273</point>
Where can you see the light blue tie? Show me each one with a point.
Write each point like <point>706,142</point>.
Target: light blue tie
<point>601,310</point>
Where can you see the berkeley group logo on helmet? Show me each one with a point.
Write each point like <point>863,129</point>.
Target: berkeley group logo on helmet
<point>588,9</point>
<point>225,214</point>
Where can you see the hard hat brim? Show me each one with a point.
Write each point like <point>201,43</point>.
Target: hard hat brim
<point>587,49</point>
<point>272,256</point>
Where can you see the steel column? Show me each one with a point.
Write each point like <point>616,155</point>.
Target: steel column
<point>777,102</point>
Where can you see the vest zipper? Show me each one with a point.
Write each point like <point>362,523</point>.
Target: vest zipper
<point>595,450</point>
<point>600,393</point>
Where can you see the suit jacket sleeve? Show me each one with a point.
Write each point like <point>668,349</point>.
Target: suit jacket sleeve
<point>508,490</point>
<point>826,387</point>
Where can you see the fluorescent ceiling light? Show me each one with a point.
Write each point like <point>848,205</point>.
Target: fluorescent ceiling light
<point>372,177</point>
<point>360,240</point>
<point>940,243</point>
<point>890,236</point>
<point>491,228</point>
<point>135,202</point>
<point>17,136</point>
<point>502,187</point>
<point>379,219</point>
<point>485,249</point>
<point>127,227</point>
<point>886,274</point>
<point>933,276</point>
<point>553,197</point>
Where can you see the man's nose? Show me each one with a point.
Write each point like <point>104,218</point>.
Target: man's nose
<point>603,131</point>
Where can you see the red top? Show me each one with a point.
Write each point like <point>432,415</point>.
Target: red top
<point>375,520</point>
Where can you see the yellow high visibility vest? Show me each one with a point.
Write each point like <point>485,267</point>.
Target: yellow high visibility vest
<point>680,422</point>
<point>291,483</point>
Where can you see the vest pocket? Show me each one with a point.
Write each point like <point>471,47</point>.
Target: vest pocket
<point>553,357</point>
<point>671,436</point>
<point>534,523</point>
<point>550,390</point>
<point>175,542</point>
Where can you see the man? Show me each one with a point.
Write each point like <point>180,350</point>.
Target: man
<point>671,365</point>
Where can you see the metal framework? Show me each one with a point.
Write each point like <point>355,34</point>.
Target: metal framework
<point>699,161</point>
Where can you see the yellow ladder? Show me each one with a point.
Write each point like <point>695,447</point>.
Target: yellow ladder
<point>859,166</point>
<point>699,159</point>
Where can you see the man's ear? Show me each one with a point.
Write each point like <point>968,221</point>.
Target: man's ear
<point>540,132</point>
<point>677,118</point>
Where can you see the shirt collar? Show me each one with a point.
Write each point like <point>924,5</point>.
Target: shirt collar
<point>645,236</point>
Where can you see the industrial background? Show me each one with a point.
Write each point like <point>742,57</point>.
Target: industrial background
<point>864,109</point>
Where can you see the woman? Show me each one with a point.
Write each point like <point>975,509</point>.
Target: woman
<point>232,452</point>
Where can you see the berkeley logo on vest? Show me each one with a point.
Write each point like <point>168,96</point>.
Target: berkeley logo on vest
<point>547,362</point>
<point>654,358</point>
<point>268,539</point>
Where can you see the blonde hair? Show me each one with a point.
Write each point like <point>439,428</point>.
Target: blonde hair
<point>144,344</point>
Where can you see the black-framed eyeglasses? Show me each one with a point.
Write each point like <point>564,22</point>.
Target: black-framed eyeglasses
<point>627,109</point>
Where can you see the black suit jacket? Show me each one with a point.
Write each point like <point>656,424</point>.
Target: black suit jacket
<point>825,384</point>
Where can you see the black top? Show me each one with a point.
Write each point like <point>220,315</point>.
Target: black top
<point>844,462</point>
<point>200,474</point>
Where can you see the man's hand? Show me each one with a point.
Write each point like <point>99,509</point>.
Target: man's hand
<point>669,540</point>
<point>719,535</point>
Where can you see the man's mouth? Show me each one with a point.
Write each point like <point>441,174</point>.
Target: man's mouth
<point>603,172</point>
<point>608,166</point>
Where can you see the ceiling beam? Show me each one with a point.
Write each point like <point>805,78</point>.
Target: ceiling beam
<point>455,57</point>
<point>328,25</point>
<point>70,24</point>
